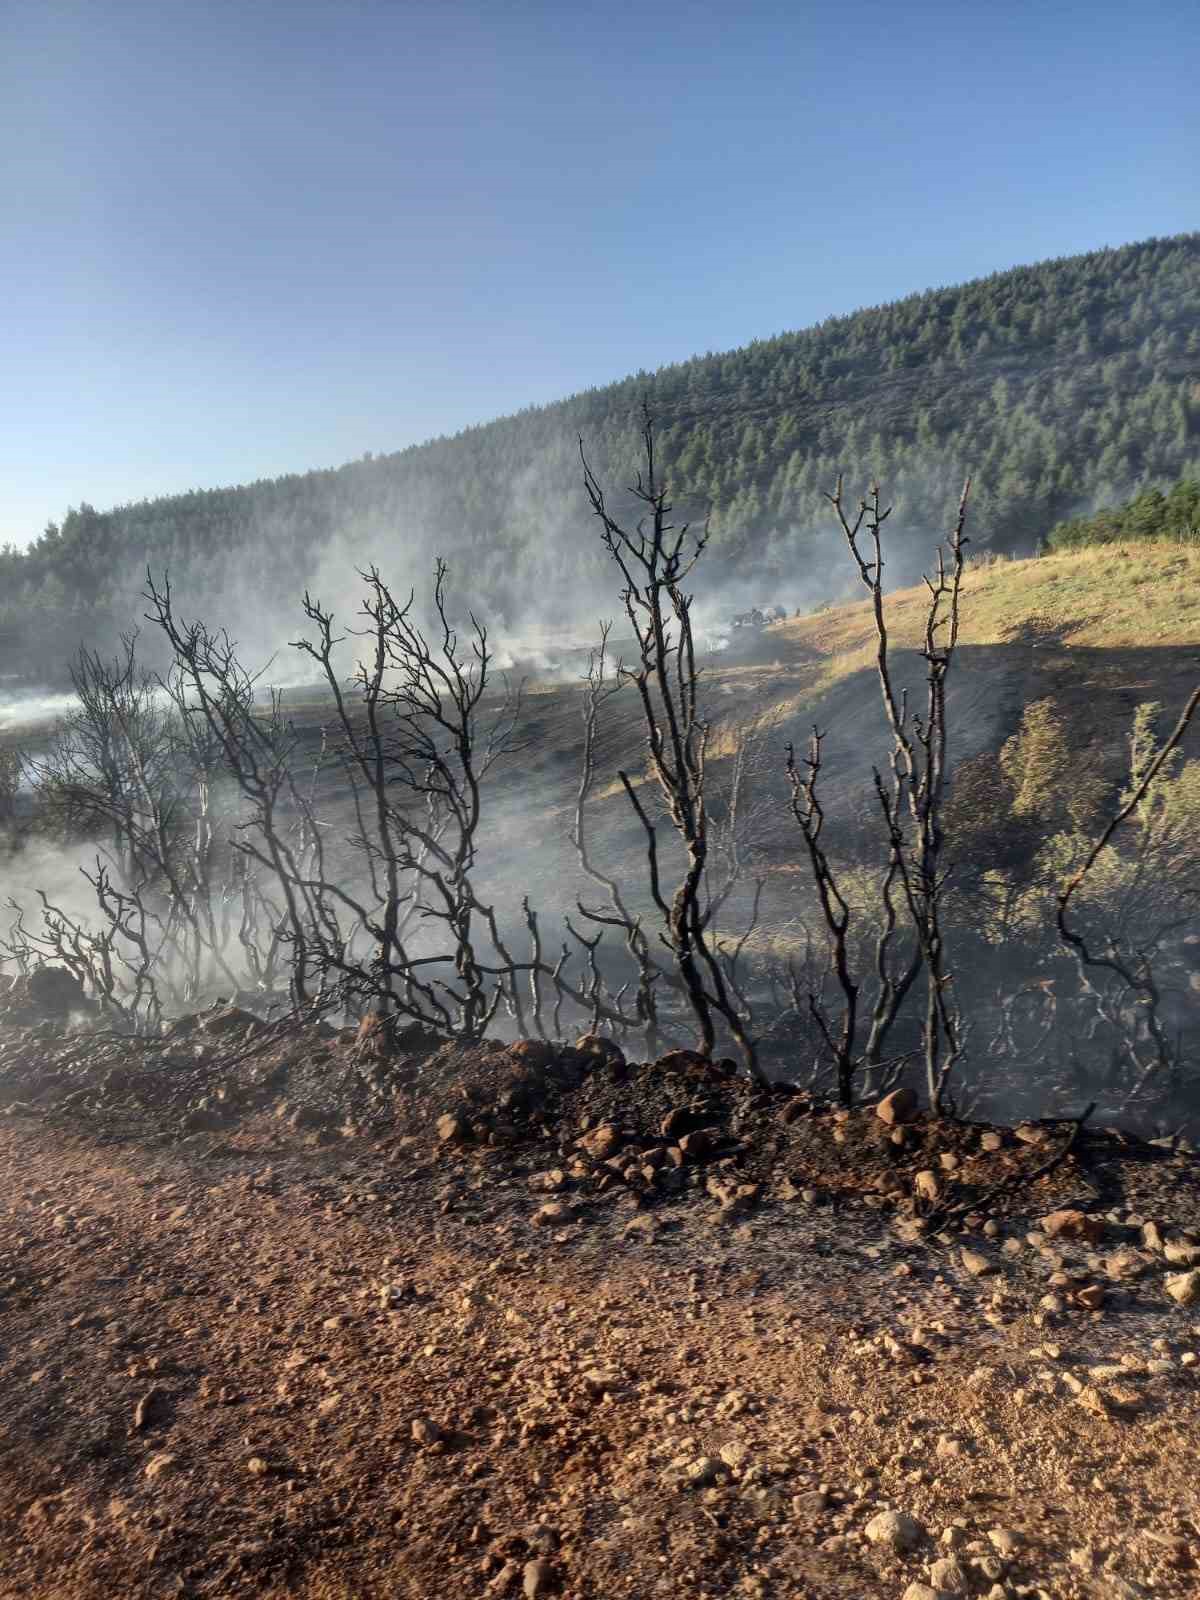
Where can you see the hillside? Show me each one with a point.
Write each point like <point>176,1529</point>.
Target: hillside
<point>1061,386</point>
<point>1099,630</point>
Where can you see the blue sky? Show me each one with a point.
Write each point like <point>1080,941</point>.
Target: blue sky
<point>244,239</point>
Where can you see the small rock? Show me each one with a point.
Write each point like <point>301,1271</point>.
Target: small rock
<point>704,1470</point>
<point>553,1214</point>
<point>1005,1541</point>
<point>425,1431</point>
<point>697,1144</point>
<point>157,1465</point>
<point>813,1503</point>
<point>977,1265</point>
<point>921,1591</point>
<point>988,1567</point>
<point>1184,1287</point>
<point>451,1129</point>
<point>949,1575</point>
<point>537,1579</point>
<point>1125,1264</point>
<point>1181,1254</point>
<point>1071,1224</point>
<point>258,1466</point>
<point>926,1184</point>
<point>599,1381</point>
<point>899,1106</point>
<point>601,1142</point>
<point>1092,1400</point>
<point>991,1141</point>
<point>148,1409</point>
<point>896,1529</point>
<point>596,1044</point>
<point>1090,1296</point>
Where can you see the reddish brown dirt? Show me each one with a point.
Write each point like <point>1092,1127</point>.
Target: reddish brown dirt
<point>213,1355</point>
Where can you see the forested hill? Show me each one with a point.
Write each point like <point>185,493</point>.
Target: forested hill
<point>1062,387</point>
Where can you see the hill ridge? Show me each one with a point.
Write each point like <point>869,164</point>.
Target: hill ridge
<point>1062,385</point>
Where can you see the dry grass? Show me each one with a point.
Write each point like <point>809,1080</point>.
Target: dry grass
<point>1106,597</point>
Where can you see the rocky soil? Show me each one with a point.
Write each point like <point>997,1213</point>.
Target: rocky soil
<point>291,1311</point>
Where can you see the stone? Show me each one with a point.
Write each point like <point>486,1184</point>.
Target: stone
<point>148,1409</point>
<point>991,1141</point>
<point>812,1503</point>
<point>601,1142</point>
<point>897,1107</point>
<point>680,1119</point>
<point>1092,1400</point>
<point>704,1470</point>
<point>977,1265</point>
<point>926,1184</point>
<point>949,1575</point>
<point>451,1129</point>
<point>1071,1224</point>
<point>1090,1296</point>
<point>553,1214</point>
<point>157,1465</point>
<point>1183,1287</point>
<point>1181,1253</point>
<point>1004,1541</point>
<point>948,1161</point>
<point>595,1044</point>
<point>599,1381</point>
<point>697,1144</point>
<point>1122,1265</point>
<point>537,1579</point>
<point>921,1591</point>
<point>1152,1236</point>
<point>895,1529</point>
<point>425,1431</point>
<point>258,1466</point>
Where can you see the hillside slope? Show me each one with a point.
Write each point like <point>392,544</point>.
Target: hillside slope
<point>1097,631</point>
<point>1061,386</point>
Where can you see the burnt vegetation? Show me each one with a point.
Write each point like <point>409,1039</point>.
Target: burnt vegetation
<point>1013,932</point>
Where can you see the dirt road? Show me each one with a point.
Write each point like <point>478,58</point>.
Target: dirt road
<point>369,1372</point>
